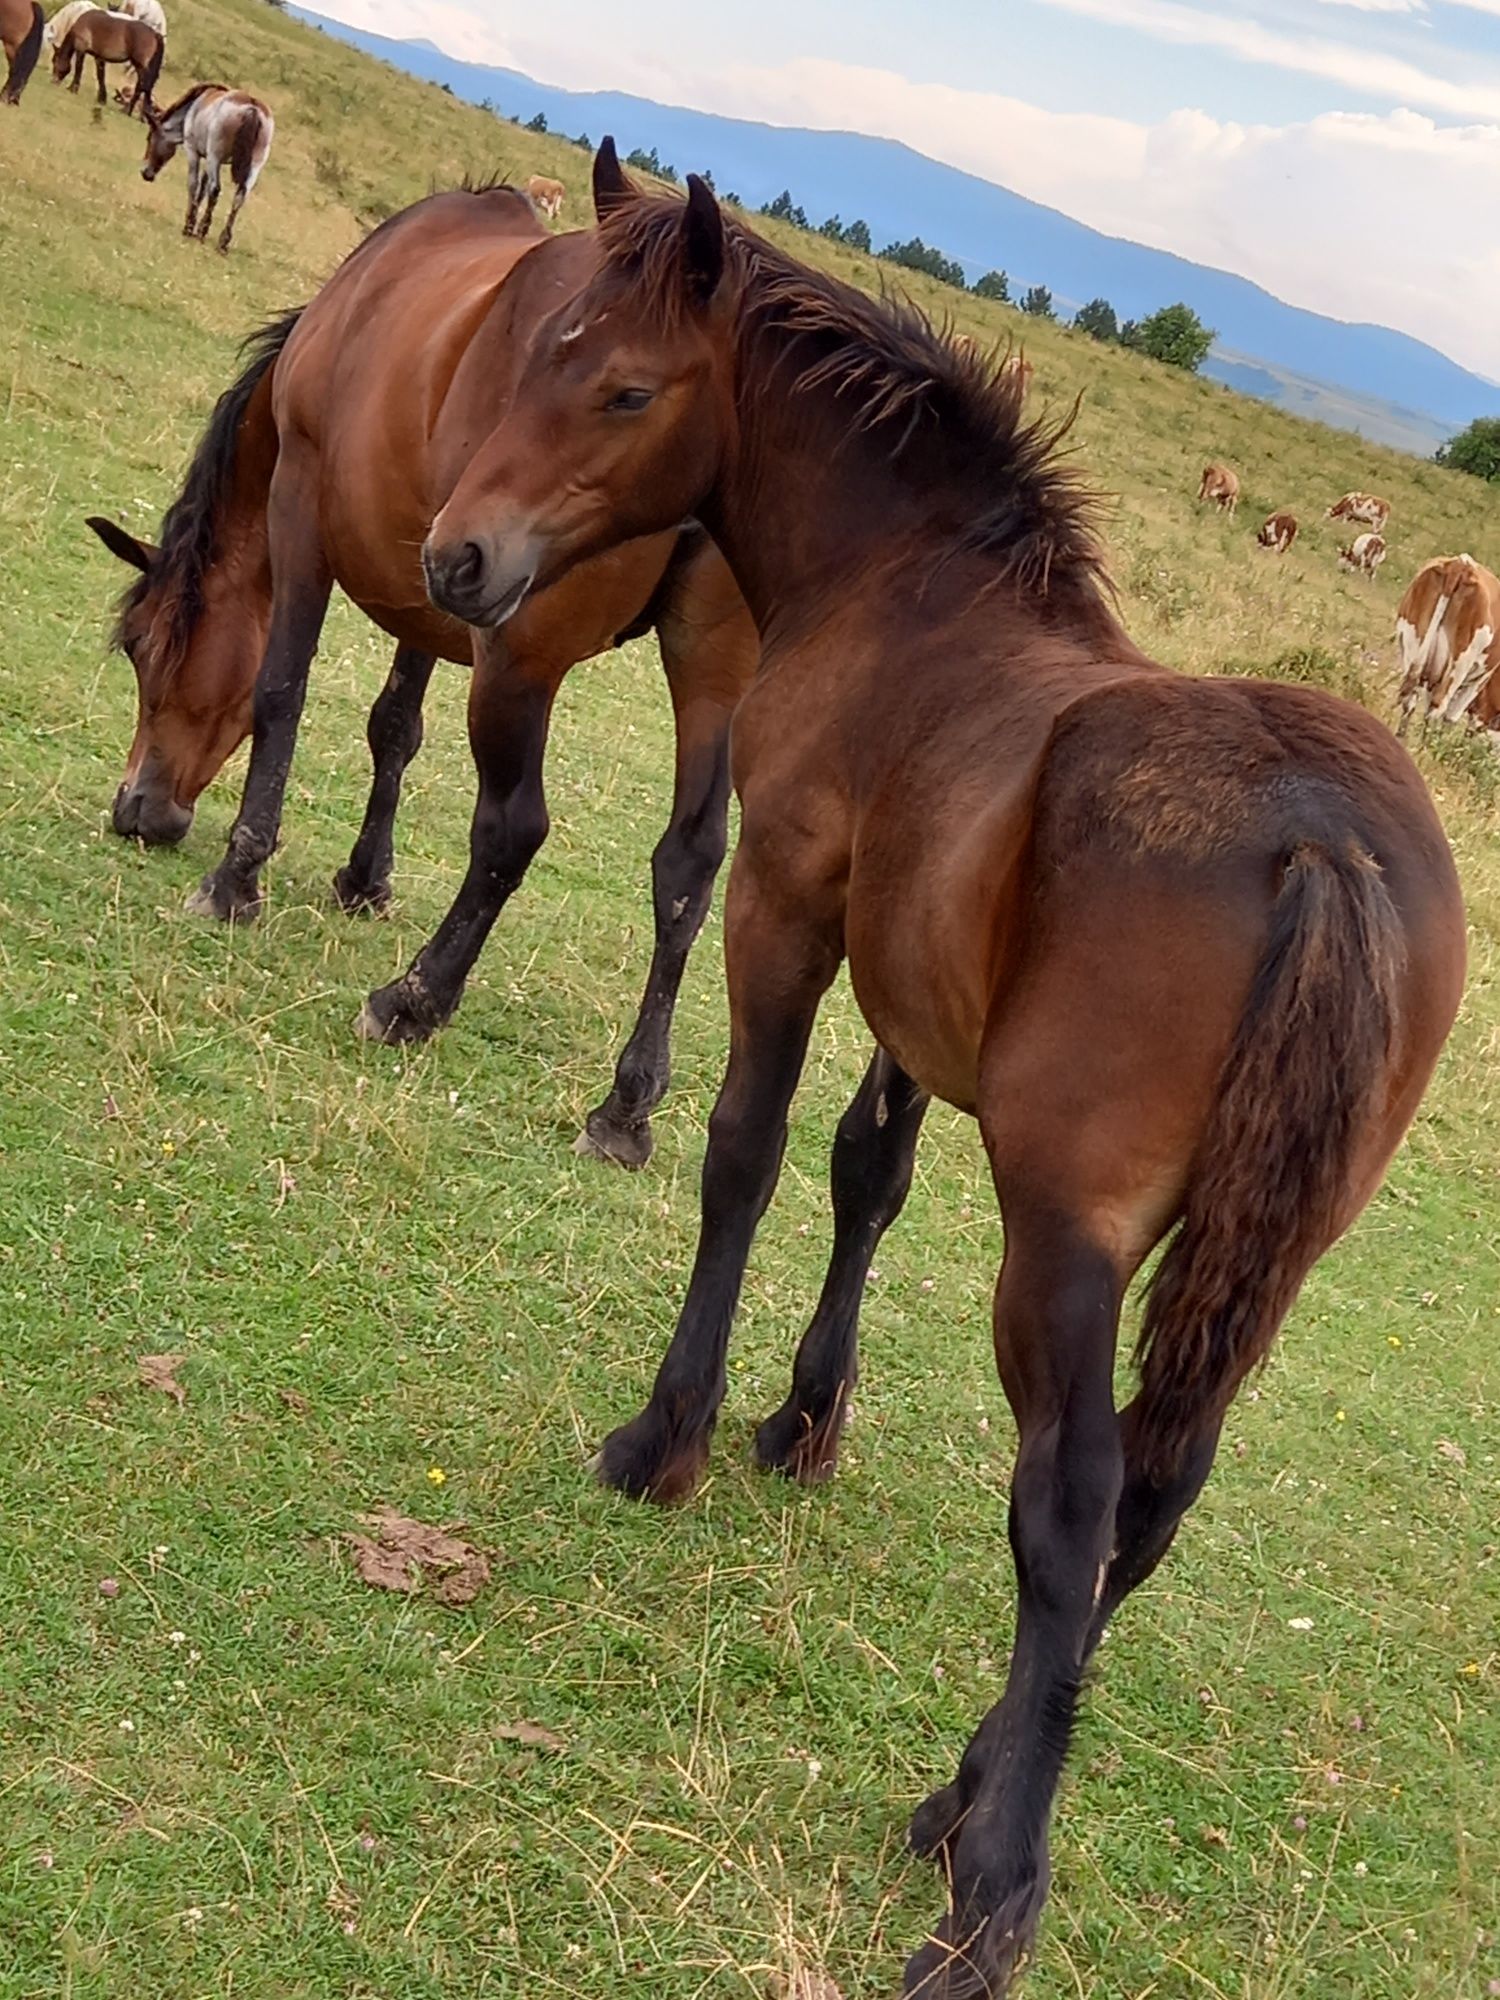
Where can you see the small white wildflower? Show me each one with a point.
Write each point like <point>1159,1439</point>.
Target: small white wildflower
<point>1361,1868</point>
<point>177,1638</point>
<point>1300,1624</point>
<point>127,1725</point>
<point>814,1768</point>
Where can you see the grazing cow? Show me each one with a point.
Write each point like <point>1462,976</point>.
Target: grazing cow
<point>1445,632</point>
<point>216,126</point>
<point>1278,532</point>
<point>1363,507</point>
<point>1221,486</point>
<point>546,195</point>
<point>1364,554</point>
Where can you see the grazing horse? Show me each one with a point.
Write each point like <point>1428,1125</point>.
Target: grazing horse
<point>213,124</point>
<point>110,38</point>
<point>23,29</point>
<point>137,10</point>
<point>1278,532</point>
<point>1221,485</point>
<point>956,769</point>
<point>326,461</point>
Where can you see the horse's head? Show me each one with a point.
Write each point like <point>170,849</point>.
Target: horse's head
<point>620,405</point>
<point>160,150</point>
<point>195,677</point>
<point>62,59</point>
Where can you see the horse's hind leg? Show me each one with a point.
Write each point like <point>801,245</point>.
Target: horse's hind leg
<point>395,737</point>
<point>709,649</point>
<point>510,706</point>
<point>103,97</point>
<point>301,584</point>
<point>1056,1308</point>
<point>873,1154</point>
<point>683,869</point>
<point>234,208</point>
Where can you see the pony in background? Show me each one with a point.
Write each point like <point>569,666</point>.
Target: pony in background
<point>214,124</point>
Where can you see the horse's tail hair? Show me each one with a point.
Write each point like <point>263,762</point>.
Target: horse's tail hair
<point>27,53</point>
<point>1268,1186</point>
<point>153,68</point>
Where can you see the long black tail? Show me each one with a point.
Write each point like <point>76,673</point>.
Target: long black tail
<point>24,61</point>
<point>189,531</point>
<point>1269,1186</point>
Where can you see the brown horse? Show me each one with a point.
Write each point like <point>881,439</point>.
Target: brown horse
<point>1188,949</point>
<point>23,28</point>
<point>111,38</point>
<point>326,461</point>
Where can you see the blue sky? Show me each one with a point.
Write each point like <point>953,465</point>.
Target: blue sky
<point>1343,153</point>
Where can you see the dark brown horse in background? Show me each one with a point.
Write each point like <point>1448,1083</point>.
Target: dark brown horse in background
<point>326,462</point>
<point>23,28</point>
<point>111,38</point>
<point>1188,949</point>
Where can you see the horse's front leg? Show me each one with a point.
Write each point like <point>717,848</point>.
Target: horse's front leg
<point>81,59</point>
<point>194,186</point>
<point>103,95</point>
<point>300,584</point>
<point>510,707</point>
<point>781,953</point>
<point>211,184</point>
<point>394,734</point>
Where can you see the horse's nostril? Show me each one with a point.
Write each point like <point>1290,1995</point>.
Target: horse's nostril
<point>468,564</point>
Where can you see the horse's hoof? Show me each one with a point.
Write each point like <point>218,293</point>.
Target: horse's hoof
<point>792,1444</point>
<point>609,1139</point>
<point>935,1822</point>
<point>644,1459</point>
<point>356,897</point>
<point>225,906</point>
<point>977,1954</point>
<point>398,1013</point>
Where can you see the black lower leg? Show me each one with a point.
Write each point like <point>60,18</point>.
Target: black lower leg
<point>1149,1514</point>
<point>1055,1319</point>
<point>395,736</point>
<point>302,587</point>
<point>683,868</point>
<point>776,980</point>
<point>508,734</point>
<point>873,1154</point>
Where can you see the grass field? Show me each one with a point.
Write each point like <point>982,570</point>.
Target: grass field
<point>227,1767</point>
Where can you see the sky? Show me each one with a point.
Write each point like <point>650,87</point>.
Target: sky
<point>1345,154</point>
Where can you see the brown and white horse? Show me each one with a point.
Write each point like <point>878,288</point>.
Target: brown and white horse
<point>1221,485</point>
<point>22,31</point>
<point>214,125</point>
<point>110,38</point>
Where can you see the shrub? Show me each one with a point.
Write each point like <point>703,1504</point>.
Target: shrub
<point>1097,320</point>
<point>1038,302</point>
<point>993,285</point>
<point>1475,450</point>
<point>1176,336</point>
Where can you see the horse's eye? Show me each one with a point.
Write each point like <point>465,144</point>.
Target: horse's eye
<point>628,401</point>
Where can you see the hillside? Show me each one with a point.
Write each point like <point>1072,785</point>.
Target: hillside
<point>666,1755</point>
<point>1364,378</point>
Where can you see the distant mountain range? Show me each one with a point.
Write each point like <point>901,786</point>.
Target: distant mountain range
<point>1369,379</point>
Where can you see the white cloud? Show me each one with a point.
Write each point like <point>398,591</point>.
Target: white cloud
<point>1358,215</point>
<point>1371,72</point>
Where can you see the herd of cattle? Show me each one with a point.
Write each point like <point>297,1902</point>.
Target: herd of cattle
<point>1446,624</point>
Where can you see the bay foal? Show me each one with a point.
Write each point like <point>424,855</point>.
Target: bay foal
<point>110,38</point>
<point>326,461</point>
<point>1189,949</point>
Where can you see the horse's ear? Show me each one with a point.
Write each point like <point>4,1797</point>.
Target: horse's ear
<point>612,185</point>
<point>702,241</point>
<point>120,542</point>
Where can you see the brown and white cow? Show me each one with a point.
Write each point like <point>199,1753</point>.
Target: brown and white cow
<point>1364,554</point>
<point>1278,532</point>
<point>1368,508</point>
<point>1445,633</point>
<point>546,195</point>
<point>1221,486</point>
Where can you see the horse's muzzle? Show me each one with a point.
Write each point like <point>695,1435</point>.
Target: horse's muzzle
<point>476,582</point>
<point>142,813</point>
